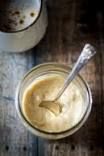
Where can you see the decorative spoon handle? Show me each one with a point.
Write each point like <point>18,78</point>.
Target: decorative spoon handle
<point>87,53</point>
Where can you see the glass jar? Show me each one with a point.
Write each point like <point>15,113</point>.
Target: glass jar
<point>50,68</point>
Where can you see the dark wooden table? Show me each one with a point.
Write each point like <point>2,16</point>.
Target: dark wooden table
<point>72,23</point>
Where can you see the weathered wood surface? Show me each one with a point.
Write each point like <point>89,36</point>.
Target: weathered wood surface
<point>72,23</point>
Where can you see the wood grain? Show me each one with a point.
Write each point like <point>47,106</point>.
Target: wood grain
<point>72,23</point>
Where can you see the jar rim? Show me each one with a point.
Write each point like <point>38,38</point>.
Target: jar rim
<point>56,135</point>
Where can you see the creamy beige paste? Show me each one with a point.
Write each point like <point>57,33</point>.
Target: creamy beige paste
<point>46,88</point>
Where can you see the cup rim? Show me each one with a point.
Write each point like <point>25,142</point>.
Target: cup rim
<point>21,30</point>
<point>56,135</point>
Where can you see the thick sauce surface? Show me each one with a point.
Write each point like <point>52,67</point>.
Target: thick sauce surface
<point>46,88</point>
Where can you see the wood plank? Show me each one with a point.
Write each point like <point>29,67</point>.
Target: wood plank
<point>14,138</point>
<point>64,45</point>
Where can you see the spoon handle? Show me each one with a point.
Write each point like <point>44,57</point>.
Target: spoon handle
<point>87,53</point>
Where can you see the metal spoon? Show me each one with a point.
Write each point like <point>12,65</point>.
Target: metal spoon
<point>87,53</point>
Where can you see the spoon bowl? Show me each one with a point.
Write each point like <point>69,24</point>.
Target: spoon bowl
<point>53,106</point>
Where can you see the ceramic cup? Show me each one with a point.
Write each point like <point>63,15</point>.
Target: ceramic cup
<point>22,24</point>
